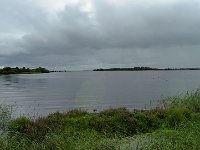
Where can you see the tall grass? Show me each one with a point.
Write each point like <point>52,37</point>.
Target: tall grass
<point>186,137</point>
<point>174,124</point>
<point>5,116</point>
<point>189,100</point>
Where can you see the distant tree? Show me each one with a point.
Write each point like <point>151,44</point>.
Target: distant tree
<point>17,70</point>
<point>6,70</point>
<point>41,70</point>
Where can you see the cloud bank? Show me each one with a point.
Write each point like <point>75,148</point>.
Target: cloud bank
<point>87,34</point>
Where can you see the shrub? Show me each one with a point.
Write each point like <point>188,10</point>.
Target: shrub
<point>56,120</point>
<point>98,123</point>
<point>146,122</point>
<point>174,117</point>
<point>37,129</point>
<point>114,121</point>
<point>19,125</point>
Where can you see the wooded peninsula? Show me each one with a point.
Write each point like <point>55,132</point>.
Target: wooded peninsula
<point>23,70</point>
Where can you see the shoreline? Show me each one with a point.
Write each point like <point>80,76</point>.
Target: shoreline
<point>17,70</point>
<point>119,127</point>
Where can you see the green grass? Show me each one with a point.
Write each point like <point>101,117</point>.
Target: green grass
<point>174,124</point>
<point>186,137</point>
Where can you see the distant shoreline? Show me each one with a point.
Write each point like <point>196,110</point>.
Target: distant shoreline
<point>145,69</point>
<point>17,70</point>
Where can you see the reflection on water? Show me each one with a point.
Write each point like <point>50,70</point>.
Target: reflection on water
<point>40,94</point>
<point>9,80</point>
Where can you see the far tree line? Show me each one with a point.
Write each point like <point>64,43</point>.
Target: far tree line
<point>23,70</point>
<point>143,69</point>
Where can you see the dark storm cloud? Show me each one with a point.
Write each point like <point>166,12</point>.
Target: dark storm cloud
<point>127,34</point>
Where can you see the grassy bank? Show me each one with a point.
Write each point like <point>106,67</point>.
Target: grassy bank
<point>174,124</point>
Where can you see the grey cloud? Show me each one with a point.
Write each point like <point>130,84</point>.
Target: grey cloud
<point>113,35</point>
<point>19,15</point>
<point>156,25</point>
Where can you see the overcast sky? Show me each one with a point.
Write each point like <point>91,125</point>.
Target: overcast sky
<point>88,34</point>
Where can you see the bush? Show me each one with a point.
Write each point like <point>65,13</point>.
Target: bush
<point>114,121</point>
<point>174,117</point>
<point>146,122</point>
<point>20,125</point>
<point>36,130</point>
<point>55,121</point>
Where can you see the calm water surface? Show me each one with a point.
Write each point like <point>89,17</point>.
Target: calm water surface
<point>40,94</point>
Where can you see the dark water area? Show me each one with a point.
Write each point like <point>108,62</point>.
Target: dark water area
<point>41,94</point>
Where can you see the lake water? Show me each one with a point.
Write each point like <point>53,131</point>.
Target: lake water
<point>40,94</point>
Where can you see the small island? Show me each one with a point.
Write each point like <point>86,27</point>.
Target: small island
<point>144,69</point>
<point>23,70</point>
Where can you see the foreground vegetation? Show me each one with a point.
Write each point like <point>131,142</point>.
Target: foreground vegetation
<point>17,70</point>
<point>174,124</point>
